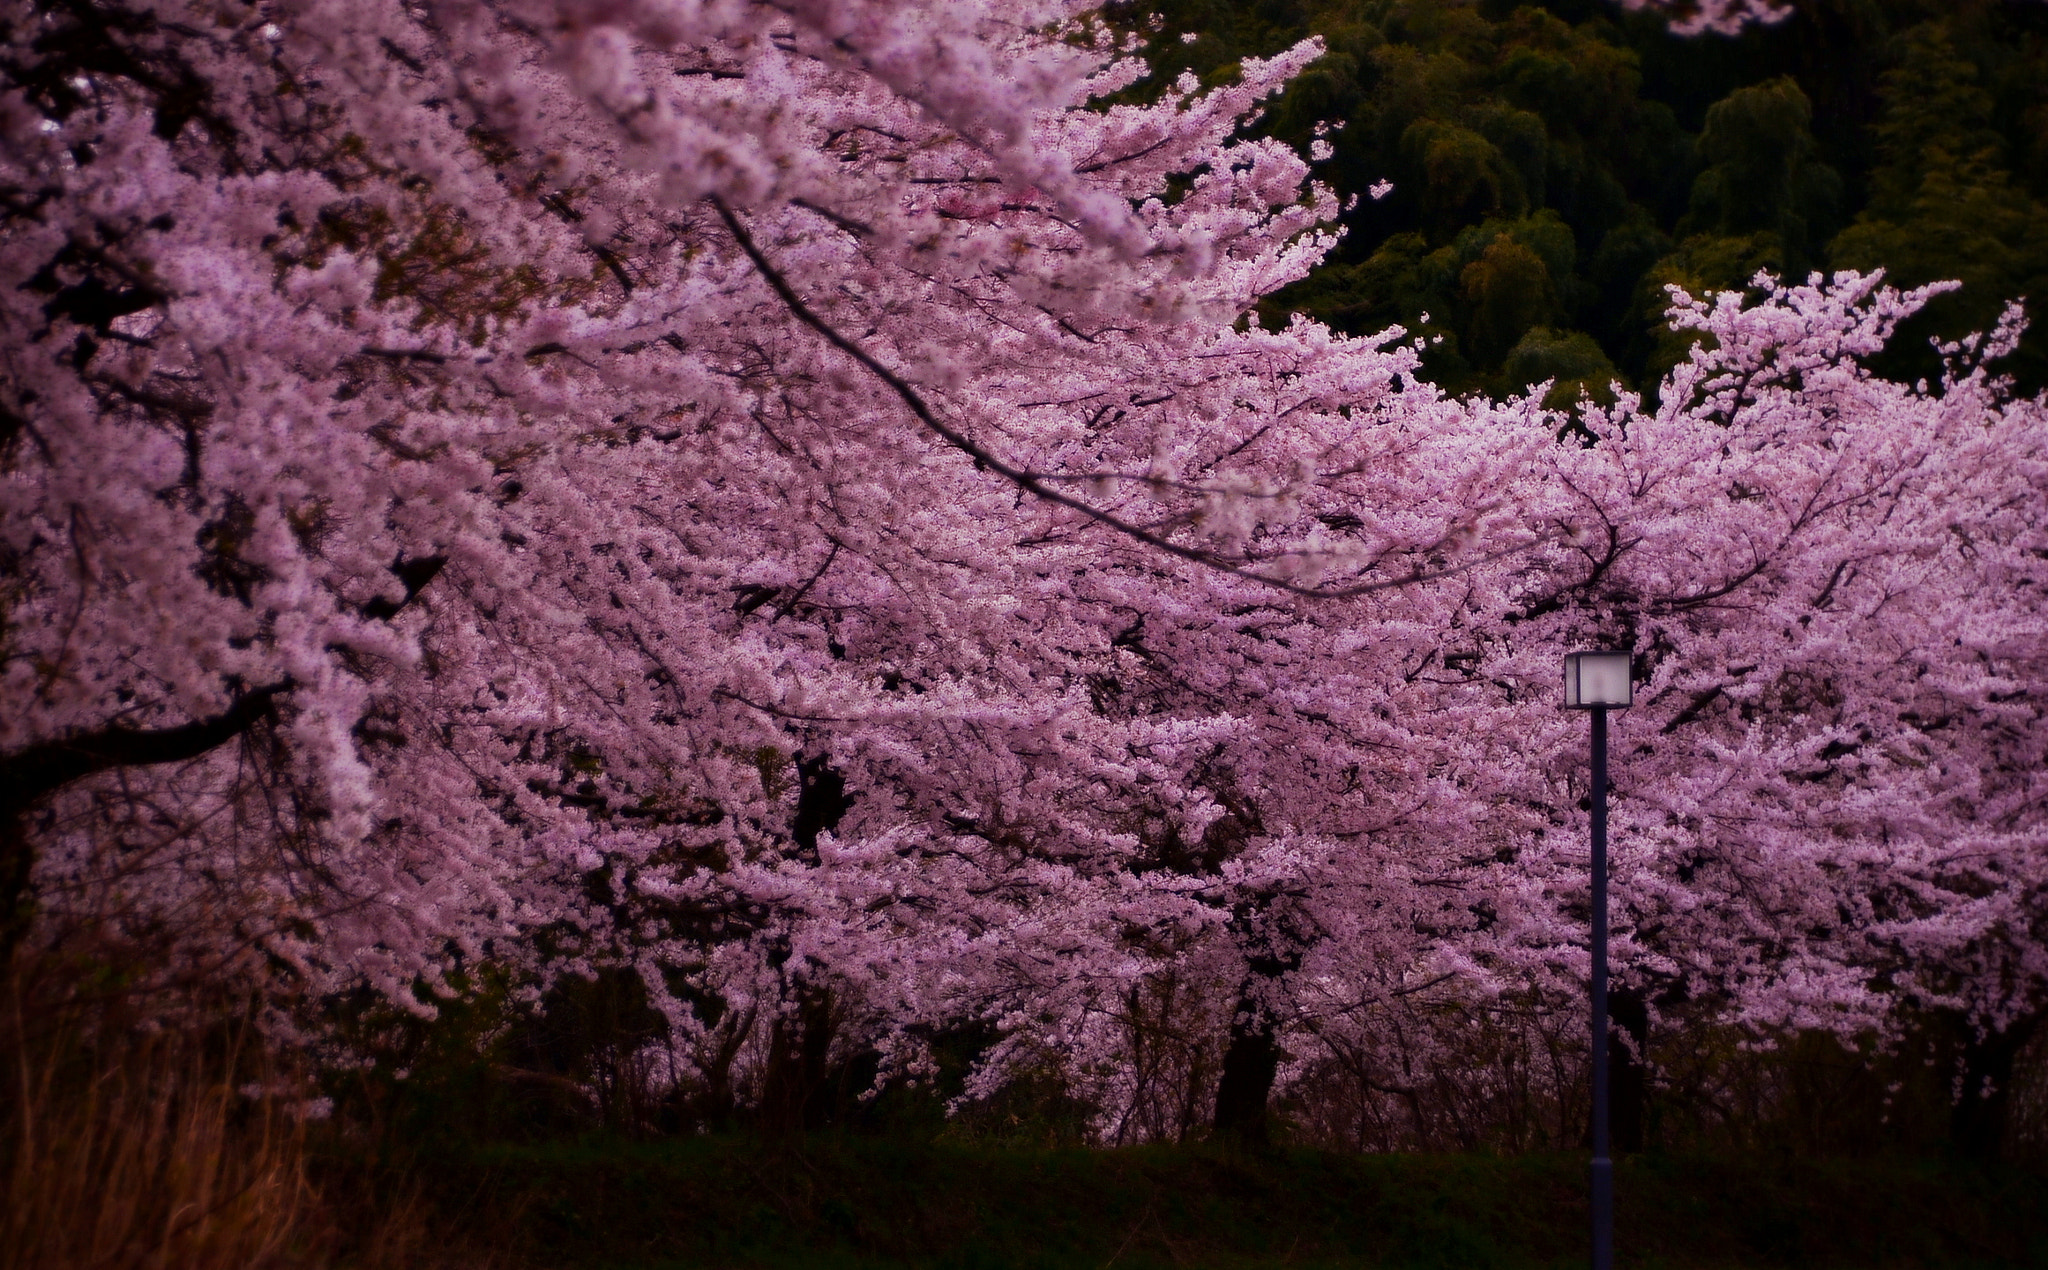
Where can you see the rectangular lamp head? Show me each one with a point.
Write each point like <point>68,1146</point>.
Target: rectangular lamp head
<point>1597,679</point>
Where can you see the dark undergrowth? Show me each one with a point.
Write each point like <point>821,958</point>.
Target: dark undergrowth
<point>864,1203</point>
<point>131,1143</point>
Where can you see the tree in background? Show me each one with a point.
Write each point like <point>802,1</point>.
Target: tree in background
<point>1944,199</point>
<point>1619,158</point>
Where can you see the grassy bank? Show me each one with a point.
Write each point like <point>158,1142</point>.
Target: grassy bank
<point>873,1203</point>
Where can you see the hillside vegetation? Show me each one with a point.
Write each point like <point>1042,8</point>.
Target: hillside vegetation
<point>1556,166</point>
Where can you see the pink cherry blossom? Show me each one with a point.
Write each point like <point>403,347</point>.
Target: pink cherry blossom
<point>791,500</point>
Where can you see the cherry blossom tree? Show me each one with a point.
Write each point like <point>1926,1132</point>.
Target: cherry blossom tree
<point>1725,17</point>
<point>1827,791</point>
<point>1691,17</point>
<point>1831,800</point>
<point>475,470</point>
<point>786,502</point>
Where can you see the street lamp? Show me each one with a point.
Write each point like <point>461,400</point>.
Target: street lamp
<point>1599,682</point>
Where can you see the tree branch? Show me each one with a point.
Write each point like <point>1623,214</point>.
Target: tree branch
<point>1030,482</point>
<point>47,766</point>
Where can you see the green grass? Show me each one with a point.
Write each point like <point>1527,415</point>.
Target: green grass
<point>847,1203</point>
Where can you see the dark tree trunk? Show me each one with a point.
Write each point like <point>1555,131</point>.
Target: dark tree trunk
<point>1250,1063</point>
<point>1977,1122</point>
<point>1629,1088</point>
<point>715,1103</point>
<point>17,864</point>
<point>1252,1058</point>
<point>794,1085</point>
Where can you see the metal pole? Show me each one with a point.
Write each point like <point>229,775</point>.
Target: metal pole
<point>1603,1166</point>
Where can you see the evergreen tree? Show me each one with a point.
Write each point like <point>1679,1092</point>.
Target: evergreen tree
<point>1944,203</point>
<point>1667,161</point>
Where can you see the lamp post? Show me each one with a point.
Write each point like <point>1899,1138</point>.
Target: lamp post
<point>1599,682</point>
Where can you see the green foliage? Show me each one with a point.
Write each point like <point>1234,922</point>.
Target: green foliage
<point>1557,165</point>
<point>1763,202</point>
<point>1518,143</point>
<point>1945,202</point>
<point>1573,361</point>
<point>1762,174</point>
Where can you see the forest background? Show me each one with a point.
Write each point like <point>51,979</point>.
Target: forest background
<point>1554,168</point>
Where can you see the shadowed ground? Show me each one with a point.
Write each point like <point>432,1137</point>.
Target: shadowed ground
<point>873,1203</point>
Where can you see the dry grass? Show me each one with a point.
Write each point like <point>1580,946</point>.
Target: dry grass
<point>133,1149</point>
